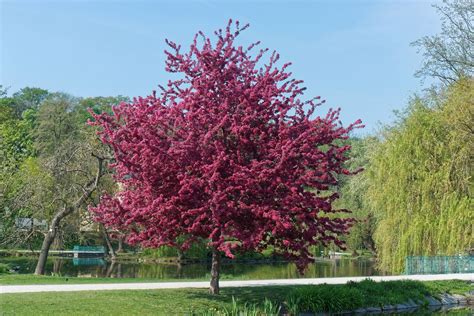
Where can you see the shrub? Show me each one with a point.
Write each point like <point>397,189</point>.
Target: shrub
<point>4,268</point>
<point>324,298</point>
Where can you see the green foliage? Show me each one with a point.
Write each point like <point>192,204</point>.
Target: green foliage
<point>324,298</point>
<point>197,250</point>
<point>421,179</point>
<point>237,308</point>
<point>45,161</point>
<point>98,105</point>
<point>28,98</point>
<point>354,295</point>
<point>4,268</point>
<point>200,250</point>
<point>16,140</point>
<point>448,286</point>
<point>16,149</point>
<point>353,195</point>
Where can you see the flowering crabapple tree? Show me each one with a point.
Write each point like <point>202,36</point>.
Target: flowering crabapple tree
<point>228,154</point>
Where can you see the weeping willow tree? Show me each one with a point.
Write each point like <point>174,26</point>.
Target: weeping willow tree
<point>421,179</point>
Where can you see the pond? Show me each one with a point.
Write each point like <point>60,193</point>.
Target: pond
<point>102,268</point>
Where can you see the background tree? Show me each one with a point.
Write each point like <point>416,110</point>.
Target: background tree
<point>420,179</point>
<point>72,156</point>
<point>353,192</point>
<point>28,98</point>
<point>16,166</point>
<point>227,154</point>
<point>449,56</point>
<point>39,150</point>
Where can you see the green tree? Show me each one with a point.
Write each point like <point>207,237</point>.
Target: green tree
<point>16,141</point>
<point>16,152</point>
<point>353,195</point>
<point>46,163</point>
<point>28,98</point>
<point>72,155</point>
<point>420,179</point>
<point>449,56</point>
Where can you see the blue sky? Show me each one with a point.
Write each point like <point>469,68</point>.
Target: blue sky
<point>355,54</point>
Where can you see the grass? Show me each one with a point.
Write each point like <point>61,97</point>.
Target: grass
<point>25,279</point>
<point>140,302</point>
<point>368,293</point>
<point>329,298</point>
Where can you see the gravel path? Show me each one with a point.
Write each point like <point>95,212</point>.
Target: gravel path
<point>180,285</point>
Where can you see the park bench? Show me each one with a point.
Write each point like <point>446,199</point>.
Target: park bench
<point>88,251</point>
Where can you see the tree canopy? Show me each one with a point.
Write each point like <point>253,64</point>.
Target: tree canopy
<point>420,179</point>
<point>449,56</point>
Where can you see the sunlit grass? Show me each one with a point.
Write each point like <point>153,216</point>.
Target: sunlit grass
<point>328,298</point>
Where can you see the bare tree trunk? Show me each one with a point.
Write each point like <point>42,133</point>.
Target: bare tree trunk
<point>58,263</point>
<point>120,243</point>
<point>119,270</point>
<point>58,241</point>
<point>215,272</point>
<point>179,269</point>
<point>41,265</point>
<point>180,254</point>
<point>54,227</point>
<point>48,240</point>
<point>109,244</point>
<point>110,270</point>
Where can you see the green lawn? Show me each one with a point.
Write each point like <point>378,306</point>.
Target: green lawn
<point>197,301</point>
<point>138,302</point>
<point>19,279</point>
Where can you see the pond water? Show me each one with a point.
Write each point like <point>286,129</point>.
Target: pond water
<point>102,268</point>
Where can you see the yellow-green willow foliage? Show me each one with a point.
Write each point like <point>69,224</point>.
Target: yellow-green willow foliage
<point>421,180</point>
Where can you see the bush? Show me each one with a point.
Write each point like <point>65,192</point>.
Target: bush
<point>324,298</point>
<point>198,250</point>
<point>4,268</point>
<point>267,308</point>
<point>367,293</point>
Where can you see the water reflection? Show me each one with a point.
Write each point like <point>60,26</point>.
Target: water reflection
<point>93,267</point>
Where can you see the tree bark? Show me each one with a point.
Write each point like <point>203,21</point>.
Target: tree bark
<point>110,270</point>
<point>215,272</point>
<point>54,227</point>
<point>109,244</point>
<point>58,263</point>
<point>48,240</point>
<point>120,243</point>
<point>180,254</point>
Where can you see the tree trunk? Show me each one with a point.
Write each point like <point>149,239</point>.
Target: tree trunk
<point>58,263</point>
<point>119,270</point>
<point>120,244</point>
<point>180,255</point>
<point>110,270</point>
<point>48,240</point>
<point>109,244</point>
<point>58,243</point>
<point>215,272</point>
